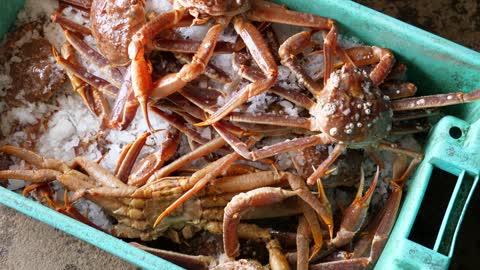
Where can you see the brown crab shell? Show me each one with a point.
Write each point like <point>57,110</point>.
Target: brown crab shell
<point>113,25</point>
<point>351,110</point>
<point>216,7</point>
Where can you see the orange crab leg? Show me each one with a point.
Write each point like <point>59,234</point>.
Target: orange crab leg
<point>125,105</point>
<point>323,167</point>
<point>57,17</point>
<point>82,73</point>
<point>329,47</point>
<point>94,100</point>
<point>187,261</point>
<point>295,144</point>
<point>150,164</point>
<point>96,172</point>
<point>202,178</point>
<point>179,124</point>
<point>128,156</point>
<point>314,229</point>
<point>355,214</point>
<point>201,151</point>
<point>240,62</point>
<point>189,46</point>
<point>261,53</point>
<point>94,57</point>
<point>84,4</point>
<point>303,243</point>
<point>175,81</point>
<point>264,11</point>
<point>270,119</point>
<point>243,201</point>
<point>35,176</point>
<point>211,71</point>
<point>141,79</point>
<point>288,51</point>
<point>34,158</point>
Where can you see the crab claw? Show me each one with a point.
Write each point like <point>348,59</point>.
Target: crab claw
<point>356,213</point>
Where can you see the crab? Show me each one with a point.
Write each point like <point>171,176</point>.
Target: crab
<point>112,60</point>
<point>350,110</point>
<point>135,199</point>
<point>222,12</point>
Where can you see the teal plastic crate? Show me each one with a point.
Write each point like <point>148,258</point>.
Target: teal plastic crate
<point>436,65</point>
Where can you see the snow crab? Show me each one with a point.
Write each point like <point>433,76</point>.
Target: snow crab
<point>135,199</point>
<point>130,39</point>
<point>350,110</point>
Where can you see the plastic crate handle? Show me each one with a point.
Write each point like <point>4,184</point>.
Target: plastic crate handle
<point>453,146</point>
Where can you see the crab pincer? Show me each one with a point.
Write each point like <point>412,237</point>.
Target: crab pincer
<point>355,214</point>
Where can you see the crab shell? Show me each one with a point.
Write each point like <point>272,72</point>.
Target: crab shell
<point>351,110</point>
<point>216,7</point>
<point>113,25</point>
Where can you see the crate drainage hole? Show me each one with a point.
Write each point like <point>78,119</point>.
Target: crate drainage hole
<point>455,132</point>
<point>433,207</point>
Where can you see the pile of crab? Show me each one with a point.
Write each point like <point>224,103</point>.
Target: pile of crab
<point>345,111</point>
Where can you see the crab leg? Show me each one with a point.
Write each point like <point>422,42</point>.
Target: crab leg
<point>189,46</point>
<point>238,146</point>
<point>409,115</point>
<point>277,259</point>
<point>128,156</point>
<point>202,178</point>
<point>177,122</point>
<point>416,157</point>
<point>125,105</point>
<point>364,244</point>
<point>151,163</point>
<point>260,52</point>
<point>187,261</point>
<point>75,181</point>
<point>303,244</point>
<point>271,119</point>
<point>203,98</point>
<point>71,179</point>
<point>264,11</point>
<point>34,158</point>
<point>321,207</point>
<point>141,79</point>
<point>184,101</point>
<point>211,71</point>
<point>82,73</point>
<point>323,167</point>
<point>410,129</point>
<point>35,176</point>
<point>254,74</point>
<point>95,58</point>
<point>243,201</point>
<point>84,4</point>
<point>433,101</point>
<point>355,214</point>
<point>376,238</point>
<point>201,151</point>
<point>175,81</point>
<point>398,90</point>
<point>288,51</point>
<point>57,17</point>
<point>295,144</point>
<point>313,227</point>
<point>365,55</point>
<point>97,172</point>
